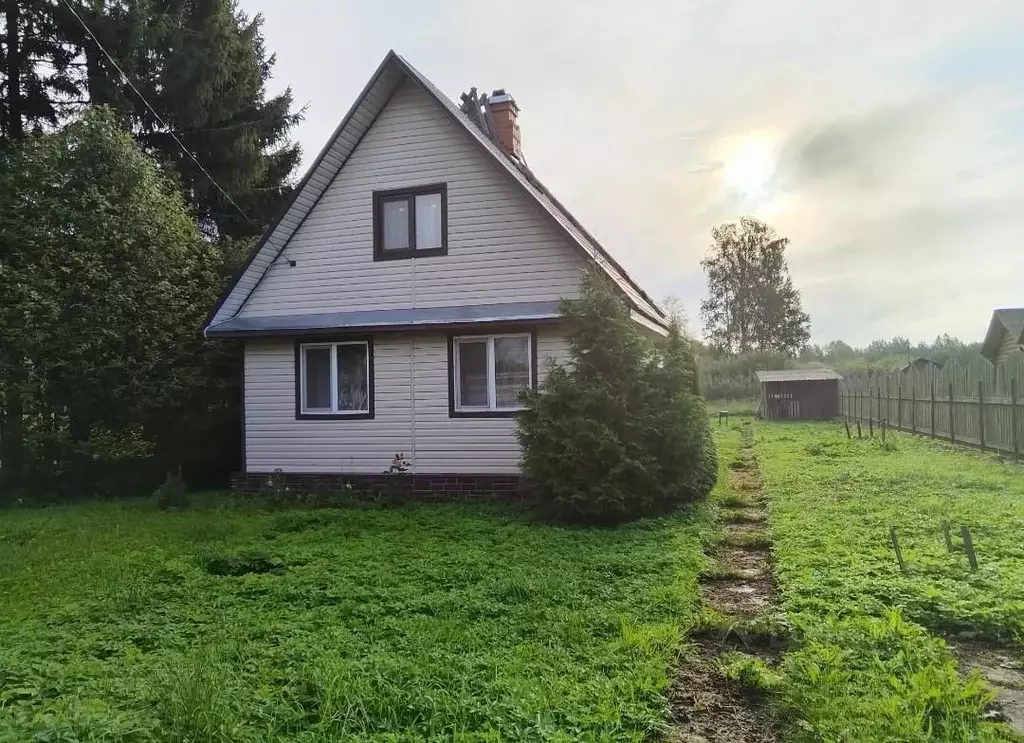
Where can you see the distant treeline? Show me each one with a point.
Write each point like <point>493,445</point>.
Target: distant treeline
<point>732,377</point>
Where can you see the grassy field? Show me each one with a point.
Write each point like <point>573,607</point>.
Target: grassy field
<point>869,663</point>
<point>444,622</point>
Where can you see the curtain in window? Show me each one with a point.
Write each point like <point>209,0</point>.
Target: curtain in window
<point>318,378</point>
<point>396,224</point>
<point>511,369</point>
<point>473,374</point>
<point>353,390</point>
<point>428,221</point>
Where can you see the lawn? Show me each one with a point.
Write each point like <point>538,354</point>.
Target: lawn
<point>869,661</point>
<point>119,622</point>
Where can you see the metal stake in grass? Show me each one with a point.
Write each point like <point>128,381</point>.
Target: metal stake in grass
<point>949,539</point>
<point>859,434</point>
<point>871,428</point>
<point>882,424</point>
<point>972,558</point>
<point>896,548</point>
<point>846,422</point>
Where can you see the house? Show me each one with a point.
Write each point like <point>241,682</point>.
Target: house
<point>920,364</point>
<point>1005,334</point>
<point>406,293</point>
<point>799,394</point>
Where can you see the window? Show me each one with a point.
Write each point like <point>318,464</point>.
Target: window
<point>486,372</point>
<point>334,380</point>
<point>410,222</point>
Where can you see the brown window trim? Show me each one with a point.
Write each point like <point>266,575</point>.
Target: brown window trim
<point>379,254</point>
<point>469,332</point>
<point>313,340</point>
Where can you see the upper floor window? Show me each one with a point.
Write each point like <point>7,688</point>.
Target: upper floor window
<point>334,380</point>
<point>410,222</point>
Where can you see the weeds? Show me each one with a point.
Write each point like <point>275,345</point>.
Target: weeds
<point>435,622</point>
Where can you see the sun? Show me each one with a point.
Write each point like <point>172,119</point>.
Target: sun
<point>750,163</point>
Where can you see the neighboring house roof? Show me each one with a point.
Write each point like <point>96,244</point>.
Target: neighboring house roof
<point>920,362</point>
<point>797,375</point>
<point>1009,321</point>
<point>386,319</point>
<point>370,102</point>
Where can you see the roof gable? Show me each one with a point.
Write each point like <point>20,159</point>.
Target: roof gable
<point>1008,321</point>
<point>385,81</point>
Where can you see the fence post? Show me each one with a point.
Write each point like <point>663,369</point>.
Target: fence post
<point>913,405</point>
<point>1013,418</point>
<point>933,404</point>
<point>899,405</point>
<point>981,414</point>
<point>952,418</point>
<point>878,390</point>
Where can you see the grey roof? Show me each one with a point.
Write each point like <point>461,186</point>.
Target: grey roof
<point>797,375</point>
<point>386,319</point>
<point>371,101</point>
<point>1010,319</point>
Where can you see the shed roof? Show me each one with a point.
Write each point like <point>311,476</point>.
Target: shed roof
<point>797,375</point>
<point>389,75</point>
<point>1008,319</point>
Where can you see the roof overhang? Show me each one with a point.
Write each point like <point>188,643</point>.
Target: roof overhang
<point>387,320</point>
<point>391,72</point>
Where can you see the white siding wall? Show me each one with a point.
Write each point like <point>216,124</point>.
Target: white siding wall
<point>501,247</point>
<point>411,414</point>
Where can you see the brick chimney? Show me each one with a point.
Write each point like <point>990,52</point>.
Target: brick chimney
<point>506,114</point>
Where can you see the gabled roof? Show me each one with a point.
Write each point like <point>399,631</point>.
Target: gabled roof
<point>1009,320</point>
<point>797,375</point>
<point>370,102</point>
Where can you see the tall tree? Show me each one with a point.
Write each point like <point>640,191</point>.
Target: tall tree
<point>752,304</point>
<point>201,64</point>
<point>104,283</point>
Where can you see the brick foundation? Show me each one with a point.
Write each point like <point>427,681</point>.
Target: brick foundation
<point>415,487</point>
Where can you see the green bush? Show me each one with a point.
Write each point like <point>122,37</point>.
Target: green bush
<point>173,493</point>
<point>620,431</point>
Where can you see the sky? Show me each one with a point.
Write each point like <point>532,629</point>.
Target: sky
<point>884,138</point>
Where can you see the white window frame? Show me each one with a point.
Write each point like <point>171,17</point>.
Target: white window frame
<point>492,388</point>
<point>304,409</point>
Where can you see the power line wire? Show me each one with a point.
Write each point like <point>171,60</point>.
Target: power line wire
<point>155,114</point>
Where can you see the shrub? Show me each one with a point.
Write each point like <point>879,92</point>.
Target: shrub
<point>173,493</point>
<point>619,432</point>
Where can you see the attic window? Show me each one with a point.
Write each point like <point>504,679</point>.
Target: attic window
<point>410,222</point>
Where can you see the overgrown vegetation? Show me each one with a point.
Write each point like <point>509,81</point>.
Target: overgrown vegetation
<point>620,431</point>
<point>866,667</point>
<point>449,622</point>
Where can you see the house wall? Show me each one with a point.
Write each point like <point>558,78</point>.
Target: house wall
<point>802,399</point>
<point>1008,343</point>
<point>501,246</point>
<point>411,414</point>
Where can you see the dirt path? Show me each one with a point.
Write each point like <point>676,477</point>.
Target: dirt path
<point>706,706</point>
<point>1003,673</point>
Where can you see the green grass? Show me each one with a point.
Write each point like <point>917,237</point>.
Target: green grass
<point>445,622</point>
<point>868,664</point>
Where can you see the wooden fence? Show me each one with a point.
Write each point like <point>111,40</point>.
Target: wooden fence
<point>976,405</point>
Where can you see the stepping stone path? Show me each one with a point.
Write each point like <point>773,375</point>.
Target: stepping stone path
<point>706,707</point>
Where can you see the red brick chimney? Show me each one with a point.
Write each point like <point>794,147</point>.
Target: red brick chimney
<point>505,113</point>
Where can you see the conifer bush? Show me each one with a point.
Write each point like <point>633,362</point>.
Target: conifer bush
<point>619,431</point>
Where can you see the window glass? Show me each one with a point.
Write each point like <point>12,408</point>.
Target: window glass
<point>428,221</point>
<point>511,370</point>
<point>473,373</point>
<point>353,390</point>
<point>396,224</point>
<point>317,388</point>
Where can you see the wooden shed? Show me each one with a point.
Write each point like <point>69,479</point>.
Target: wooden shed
<point>1005,334</point>
<point>799,394</point>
